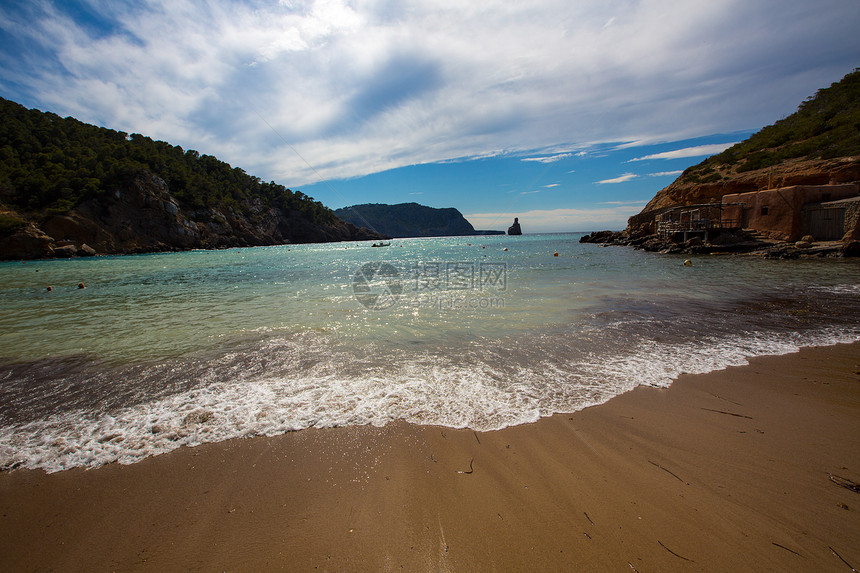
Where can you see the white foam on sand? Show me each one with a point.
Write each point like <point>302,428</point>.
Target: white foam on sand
<point>425,390</point>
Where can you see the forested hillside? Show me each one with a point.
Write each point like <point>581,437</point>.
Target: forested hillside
<point>79,180</point>
<point>51,164</point>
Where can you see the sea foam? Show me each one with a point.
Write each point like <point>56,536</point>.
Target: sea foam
<point>423,390</point>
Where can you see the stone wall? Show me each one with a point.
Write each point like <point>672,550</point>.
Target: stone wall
<point>777,212</point>
<point>852,221</point>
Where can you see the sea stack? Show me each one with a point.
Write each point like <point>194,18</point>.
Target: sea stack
<point>515,228</point>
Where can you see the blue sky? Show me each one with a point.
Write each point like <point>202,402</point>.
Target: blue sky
<point>570,115</point>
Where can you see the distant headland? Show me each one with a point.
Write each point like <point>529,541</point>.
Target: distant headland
<point>410,220</point>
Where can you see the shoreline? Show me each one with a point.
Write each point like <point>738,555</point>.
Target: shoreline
<point>738,243</point>
<point>721,471</point>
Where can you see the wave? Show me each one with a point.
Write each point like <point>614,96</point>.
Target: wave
<point>284,385</point>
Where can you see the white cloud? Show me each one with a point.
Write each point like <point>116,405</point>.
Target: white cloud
<point>529,192</point>
<point>619,179</point>
<point>697,151</point>
<point>289,40</point>
<point>551,185</point>
<point>559,220</point>
<point>548,159</point>
<point>665,173</point>
<point>361,86</point>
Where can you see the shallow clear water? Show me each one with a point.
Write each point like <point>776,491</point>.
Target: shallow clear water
<point>165,350</point>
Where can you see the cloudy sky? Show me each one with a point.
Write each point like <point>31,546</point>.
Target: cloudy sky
<point>569,114</point>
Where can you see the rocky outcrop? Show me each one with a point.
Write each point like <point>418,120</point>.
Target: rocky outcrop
<point>408,220</point>
<point>726,242</point>
<point>142,216</point>
<point>28,242</point>
<point>780,184</point>
<point>685,191</point>
<point>689,191</point>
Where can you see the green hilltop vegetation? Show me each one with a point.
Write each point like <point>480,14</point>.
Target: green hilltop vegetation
<point>49,165</point>
<point>825,126</point>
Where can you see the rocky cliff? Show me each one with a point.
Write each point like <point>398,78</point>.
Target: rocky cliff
<point>819,144</point>
<point>407,220</point>
<point>142,216</point>
<point>690,191</point>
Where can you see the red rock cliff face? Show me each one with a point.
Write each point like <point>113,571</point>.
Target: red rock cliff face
<point>794,172</point>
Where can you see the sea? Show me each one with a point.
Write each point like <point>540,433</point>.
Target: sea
<point>160,351</point>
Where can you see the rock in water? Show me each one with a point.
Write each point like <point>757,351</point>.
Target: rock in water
<point>515,228</point>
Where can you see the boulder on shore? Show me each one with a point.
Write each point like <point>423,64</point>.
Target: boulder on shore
<point>65,251</point>
<point>851,249</point>
<point>27,243</point>
<point>86,251</point>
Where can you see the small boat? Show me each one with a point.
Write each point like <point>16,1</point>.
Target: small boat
<point>381,244</point>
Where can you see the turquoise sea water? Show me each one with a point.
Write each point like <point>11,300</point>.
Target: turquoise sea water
<point>173,349</point>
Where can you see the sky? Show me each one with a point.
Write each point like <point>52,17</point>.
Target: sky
<point>569,114</point>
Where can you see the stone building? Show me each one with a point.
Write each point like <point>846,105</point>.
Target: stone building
<point>792,212</point>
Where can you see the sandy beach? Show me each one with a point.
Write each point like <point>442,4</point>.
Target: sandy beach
<point>727,471</point>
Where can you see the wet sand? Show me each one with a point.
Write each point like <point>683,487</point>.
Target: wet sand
<point>724,471</point>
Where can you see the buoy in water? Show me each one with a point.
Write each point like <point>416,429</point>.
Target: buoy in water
<point>555,254</point>
<point>50,288</point>
<point>688,263</point>
<point>81,285</point>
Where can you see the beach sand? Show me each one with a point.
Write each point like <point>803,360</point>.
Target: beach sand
<point>727,471</point>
